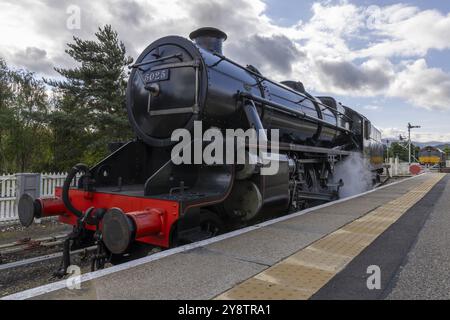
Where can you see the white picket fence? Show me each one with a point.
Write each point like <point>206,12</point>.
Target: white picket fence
<point>8,195</point>
<point>49,181</point>
<point>8,210</point>
<point>398,168</point>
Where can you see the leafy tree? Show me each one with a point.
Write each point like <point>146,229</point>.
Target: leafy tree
<point>85,111</point>
<point>5,90</point>
<point>5,114</point>
<point>70,136</point>
<point>447,151</point>
<point>415,151</point>
<point>29,136</point>
<point>90,105</point>
<point>400,150</point>
<point>23,108</point>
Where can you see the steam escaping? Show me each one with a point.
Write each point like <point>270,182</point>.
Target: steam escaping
<point>356,174</point>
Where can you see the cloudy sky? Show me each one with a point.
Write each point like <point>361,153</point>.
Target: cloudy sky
<point>389,60</point>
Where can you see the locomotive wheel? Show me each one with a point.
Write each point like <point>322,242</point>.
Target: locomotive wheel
<point>210,226</point>
<point>312,180</point>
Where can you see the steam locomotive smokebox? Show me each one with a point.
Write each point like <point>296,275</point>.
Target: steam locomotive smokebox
<point>166,90</point>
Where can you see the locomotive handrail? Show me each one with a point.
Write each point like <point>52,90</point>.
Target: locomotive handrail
<point>137,65</point>
<point>312,149</point>
<point>279,107</point>
<point>193,63</point>
<point>222,58</point>
<point>254,119</point>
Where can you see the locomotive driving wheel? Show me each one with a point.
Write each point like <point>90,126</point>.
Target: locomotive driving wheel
<point>312,183</point>
<point>136,251</point>
<point>210,225</point>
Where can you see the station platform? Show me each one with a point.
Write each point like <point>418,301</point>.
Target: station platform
<point>320,253</point>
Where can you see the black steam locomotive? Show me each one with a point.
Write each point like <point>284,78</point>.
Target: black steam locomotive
<point>138,195</point>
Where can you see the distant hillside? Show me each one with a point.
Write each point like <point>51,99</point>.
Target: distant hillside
<point>442,146</point>
<point>437,144</point>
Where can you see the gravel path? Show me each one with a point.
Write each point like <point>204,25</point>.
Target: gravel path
<point>48,227</point>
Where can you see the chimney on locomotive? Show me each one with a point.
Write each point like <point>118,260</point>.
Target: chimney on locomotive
<point>209,38</point>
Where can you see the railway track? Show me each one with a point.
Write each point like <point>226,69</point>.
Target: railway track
<point>28,263</point>
<point>37,271</point>
<point>42,258</point>
<point>29,249</point>
<point>28,244</point>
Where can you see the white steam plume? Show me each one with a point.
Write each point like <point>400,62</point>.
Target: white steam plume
<point>356,174</point>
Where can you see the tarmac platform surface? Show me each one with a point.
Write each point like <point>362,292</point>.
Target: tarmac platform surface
<point>320,253</point>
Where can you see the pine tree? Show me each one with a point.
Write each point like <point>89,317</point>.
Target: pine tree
<point>5,90</point>
<point>91,99</point>
<point>447,151</point>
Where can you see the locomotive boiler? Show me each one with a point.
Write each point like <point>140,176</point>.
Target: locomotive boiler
<point>138,195</point>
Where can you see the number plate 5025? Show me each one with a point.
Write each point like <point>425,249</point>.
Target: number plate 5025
<point>155,76</point>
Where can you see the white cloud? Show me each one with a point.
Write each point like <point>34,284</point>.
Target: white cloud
<point>343,49</point>
<point>404,30</point>
<point>34,59</point>
<point>372,107</point>
<point>423,86</point>
<point>344,77</point>
<point>417,135</point>
<point>399,31</point>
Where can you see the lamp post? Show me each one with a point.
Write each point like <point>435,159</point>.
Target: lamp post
<point>409,140</point>
<point>387,151</point>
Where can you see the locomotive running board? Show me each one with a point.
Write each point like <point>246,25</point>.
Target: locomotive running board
<point>316,196</point>
<point>308,149</point>
<point>297,147</point>
<point>163,112</point>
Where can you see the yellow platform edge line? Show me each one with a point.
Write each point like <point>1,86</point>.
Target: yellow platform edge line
<point>305,272</point>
